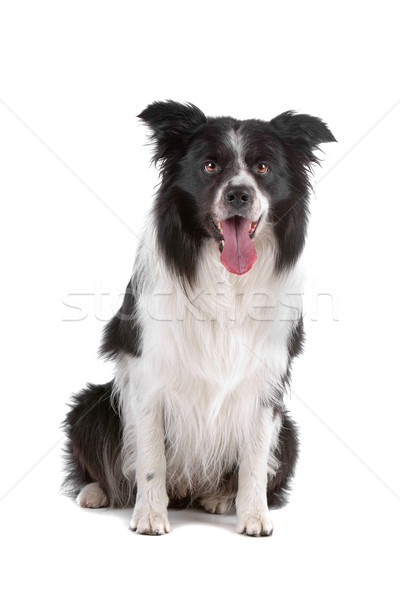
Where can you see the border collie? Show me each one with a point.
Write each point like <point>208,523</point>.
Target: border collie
<point>210,323</point>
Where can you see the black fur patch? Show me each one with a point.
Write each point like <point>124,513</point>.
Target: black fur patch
<point>300,135</point>
<point>287,453</point>
<point>296,342</point>
<point>172,125</point>
<point>122,333</point>
<point>295,348</point>
<point>179,232</point>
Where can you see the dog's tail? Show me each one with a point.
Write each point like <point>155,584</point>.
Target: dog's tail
<point>94,442</point>
<point>287,453</point>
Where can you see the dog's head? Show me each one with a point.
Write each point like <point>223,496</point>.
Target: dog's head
<point>229,180</point>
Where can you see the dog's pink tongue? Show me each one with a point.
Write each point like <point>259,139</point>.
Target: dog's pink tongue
<point>238,254</point>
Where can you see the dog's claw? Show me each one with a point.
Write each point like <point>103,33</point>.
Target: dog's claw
<point>255,525</point>
<point>149,523</point>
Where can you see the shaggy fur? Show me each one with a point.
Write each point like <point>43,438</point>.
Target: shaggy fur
<point>210,323</point>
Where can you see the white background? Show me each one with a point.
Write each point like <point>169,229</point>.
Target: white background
<point>75,183</point>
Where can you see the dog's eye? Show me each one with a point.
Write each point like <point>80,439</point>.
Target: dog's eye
<point>262,168</point>
<point>210,167</point>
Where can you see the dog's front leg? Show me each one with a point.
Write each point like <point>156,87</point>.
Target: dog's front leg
<point>150,512</point>
<point>251,500</point>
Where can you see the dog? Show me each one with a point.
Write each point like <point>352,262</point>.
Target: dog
<point>208,328</point>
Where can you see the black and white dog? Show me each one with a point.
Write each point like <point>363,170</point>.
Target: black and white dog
<point>209,325</point>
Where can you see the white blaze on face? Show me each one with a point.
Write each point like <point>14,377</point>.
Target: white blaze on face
<point>242,177</point>
<point>238,253</point>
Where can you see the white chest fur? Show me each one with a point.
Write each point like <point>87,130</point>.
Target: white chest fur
<point>210,358</point>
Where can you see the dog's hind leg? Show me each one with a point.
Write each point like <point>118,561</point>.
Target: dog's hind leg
<point>94,462</point>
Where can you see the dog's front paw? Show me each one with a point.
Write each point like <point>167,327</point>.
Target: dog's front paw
<point>149,522</point>
<point>255,524</point>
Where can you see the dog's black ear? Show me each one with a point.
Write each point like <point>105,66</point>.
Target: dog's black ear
<point>303,132</point>
<point>172,124</point>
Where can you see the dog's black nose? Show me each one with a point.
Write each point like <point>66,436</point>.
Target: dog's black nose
<point>237,196</point>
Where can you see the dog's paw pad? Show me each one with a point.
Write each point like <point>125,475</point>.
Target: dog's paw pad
<point>150,523</point>
<point>255,525</point>
<point>92,496</point>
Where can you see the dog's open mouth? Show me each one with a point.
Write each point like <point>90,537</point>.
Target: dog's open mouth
<point>238,254</point>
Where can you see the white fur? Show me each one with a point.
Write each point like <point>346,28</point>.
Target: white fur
<point>206,381</point>
<point>251,502</point>
<point>150,514</point>
<point>242,177</point>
